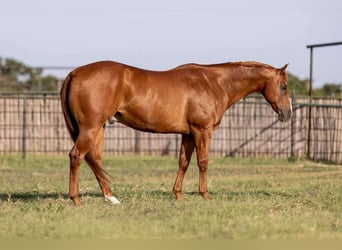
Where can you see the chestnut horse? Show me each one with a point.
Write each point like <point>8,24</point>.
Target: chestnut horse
<point>190,100</point>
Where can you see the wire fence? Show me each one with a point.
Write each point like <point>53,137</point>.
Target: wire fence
<point>33,123</point>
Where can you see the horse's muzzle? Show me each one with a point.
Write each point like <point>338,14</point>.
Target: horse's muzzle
<point>284,115</point>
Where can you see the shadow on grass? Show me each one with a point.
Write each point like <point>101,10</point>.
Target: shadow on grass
<point>157,194</point>
<point>226,195</point>
<point>255,194</point>
<point>35,196</point>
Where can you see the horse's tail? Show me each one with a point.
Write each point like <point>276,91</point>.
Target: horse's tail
<point>68,116</point>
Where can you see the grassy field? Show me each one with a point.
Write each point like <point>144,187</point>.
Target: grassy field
<point>252,198</point>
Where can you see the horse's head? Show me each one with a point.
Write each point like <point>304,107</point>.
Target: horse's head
<point>277,94</point>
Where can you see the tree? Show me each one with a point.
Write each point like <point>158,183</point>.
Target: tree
<point>329,90</point>
<point>298,86</point>
<point>301,87</point>
<point>16,76</point>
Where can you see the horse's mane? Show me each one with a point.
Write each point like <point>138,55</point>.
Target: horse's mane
<point>232,64</point>
<point>254,64</point>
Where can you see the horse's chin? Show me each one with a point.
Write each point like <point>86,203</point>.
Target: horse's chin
<point>282,118</point>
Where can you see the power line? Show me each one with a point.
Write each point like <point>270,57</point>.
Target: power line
<point>54,67</point>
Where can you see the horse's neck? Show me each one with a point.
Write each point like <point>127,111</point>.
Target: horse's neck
<point>241,81</point>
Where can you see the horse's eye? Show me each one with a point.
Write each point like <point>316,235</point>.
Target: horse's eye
<point>283,89</point>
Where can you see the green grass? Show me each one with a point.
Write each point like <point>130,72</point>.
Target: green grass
<point>251,198</point>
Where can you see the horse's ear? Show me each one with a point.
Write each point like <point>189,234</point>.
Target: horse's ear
<point>284,67</point>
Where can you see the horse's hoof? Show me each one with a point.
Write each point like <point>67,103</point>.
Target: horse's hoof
<point>179,196</point>
<point>205,196</point>
<point>76,200</point>
<point>113,200</point>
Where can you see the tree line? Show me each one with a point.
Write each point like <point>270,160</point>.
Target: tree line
<point>15,76</point>
<point>301,87</point>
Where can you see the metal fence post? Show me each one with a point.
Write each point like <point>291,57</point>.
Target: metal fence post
<point>293,127</point>
<point>176,146</point>
<point>24,127</point>
<point>310,101</point>
<point>137,143</point>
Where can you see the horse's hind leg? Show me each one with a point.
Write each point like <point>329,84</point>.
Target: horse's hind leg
<point>83,144</point>
<point>94,160</point>
<point>75,162</point>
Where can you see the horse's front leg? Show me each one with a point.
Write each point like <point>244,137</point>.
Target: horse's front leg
<point>186,150</point>
<point>202,141</point>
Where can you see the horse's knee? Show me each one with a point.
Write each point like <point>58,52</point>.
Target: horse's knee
<point>75,157</point>
<point>183,164</point>
<point>203,165</point>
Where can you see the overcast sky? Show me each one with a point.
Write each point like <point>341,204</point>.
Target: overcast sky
<point>163,34</point>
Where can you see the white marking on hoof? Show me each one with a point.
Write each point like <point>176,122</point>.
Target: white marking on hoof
<point>112,199</point>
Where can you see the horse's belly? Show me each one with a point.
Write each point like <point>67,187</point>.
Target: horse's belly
<point>155,124</point>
